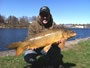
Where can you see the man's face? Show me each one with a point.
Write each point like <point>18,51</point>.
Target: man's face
<point>45,17</point>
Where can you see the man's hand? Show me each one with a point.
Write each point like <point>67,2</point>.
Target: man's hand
<point>46,48</point>
<point>59,42</point>
<point>28,48</point>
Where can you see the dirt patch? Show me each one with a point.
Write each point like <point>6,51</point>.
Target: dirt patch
<point>7,53</point>
<point>68,44</point>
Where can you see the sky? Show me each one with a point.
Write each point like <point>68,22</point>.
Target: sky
<point>63,11</point>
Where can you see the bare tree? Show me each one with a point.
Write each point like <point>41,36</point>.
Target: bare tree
<point>24,19</point>
<point>34,18</point>
<point>12,20</point>
<point>2,19</point>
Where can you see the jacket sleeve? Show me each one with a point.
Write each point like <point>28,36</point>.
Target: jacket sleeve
<point>31,31</point>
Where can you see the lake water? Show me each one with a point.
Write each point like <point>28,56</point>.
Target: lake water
<point>81,33</point>
<point>8,36</point>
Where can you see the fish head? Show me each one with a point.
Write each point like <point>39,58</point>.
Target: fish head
<point>71,34</point>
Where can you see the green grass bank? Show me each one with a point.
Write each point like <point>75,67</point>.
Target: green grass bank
<point>78,56</point>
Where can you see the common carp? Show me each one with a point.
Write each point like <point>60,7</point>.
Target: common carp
<point>43,39</point>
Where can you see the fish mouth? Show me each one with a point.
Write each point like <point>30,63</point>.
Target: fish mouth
<point>75,34</point>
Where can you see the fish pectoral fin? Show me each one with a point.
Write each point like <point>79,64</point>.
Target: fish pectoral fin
<point>61,45</point>
<point>19,51</point>
<point>46,48</point>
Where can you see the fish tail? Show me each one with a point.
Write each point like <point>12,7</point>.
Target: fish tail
<point>14,45</point>
<point>19,46</point>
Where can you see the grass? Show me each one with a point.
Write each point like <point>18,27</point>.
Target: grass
<point>12,62</point>
<point>77,57</point>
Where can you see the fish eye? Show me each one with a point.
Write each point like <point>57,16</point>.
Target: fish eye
<point>71,32</point>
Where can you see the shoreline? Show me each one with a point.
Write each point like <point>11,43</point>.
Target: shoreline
<point>68,45</point>
<point>76,41</point>
<point>26,25</point>
<point>14,25</point>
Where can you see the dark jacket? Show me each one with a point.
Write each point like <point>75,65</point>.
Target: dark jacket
<point>37,26</point>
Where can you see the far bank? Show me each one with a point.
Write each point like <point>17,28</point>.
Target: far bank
<point>14,25</point>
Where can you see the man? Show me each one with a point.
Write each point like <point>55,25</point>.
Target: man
<point>43,22</point>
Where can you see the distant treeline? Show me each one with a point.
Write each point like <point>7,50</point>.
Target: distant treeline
<point>24,21</point>
<point>15,20</point>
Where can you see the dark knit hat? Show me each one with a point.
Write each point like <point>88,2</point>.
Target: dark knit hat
<point>44,9</point>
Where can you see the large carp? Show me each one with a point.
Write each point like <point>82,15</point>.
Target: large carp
<point>43,39</point>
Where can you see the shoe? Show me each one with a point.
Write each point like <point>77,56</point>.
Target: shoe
<point>61,66</point>
<point>28,66</point>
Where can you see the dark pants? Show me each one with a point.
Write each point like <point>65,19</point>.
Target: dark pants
<point>53,56</point>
